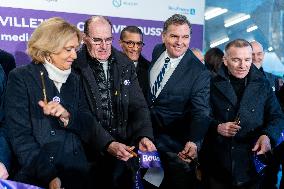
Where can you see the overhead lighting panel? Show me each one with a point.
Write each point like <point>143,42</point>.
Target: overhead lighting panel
<point>236,20</point>
<point>252,28</point>
<point>270,49</point>
<point>219,42</point>
<point>214,12</point>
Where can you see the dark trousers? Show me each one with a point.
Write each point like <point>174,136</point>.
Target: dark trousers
<point>271,176</point>
<point>114,174</point>
<point>178,174</point>
<point>212,183</point>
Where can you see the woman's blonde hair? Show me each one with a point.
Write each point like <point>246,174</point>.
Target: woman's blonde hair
<point>50,37</point>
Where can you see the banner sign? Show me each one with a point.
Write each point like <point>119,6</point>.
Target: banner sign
<point>17,24</point>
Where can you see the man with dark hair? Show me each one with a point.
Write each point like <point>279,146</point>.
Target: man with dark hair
<point>116,100</point>
<point>131,42</point>
<point>247,121</point>
<point>179,103</point>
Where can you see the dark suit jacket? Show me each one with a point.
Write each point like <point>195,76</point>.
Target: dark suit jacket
<point>181,110</point>
<point>142,74</point>
<point>273,80</point>
<point>231,159</point>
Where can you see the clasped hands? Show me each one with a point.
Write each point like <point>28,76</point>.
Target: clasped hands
<point>189,153</point>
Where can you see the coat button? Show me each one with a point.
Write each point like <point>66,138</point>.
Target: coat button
<point>51,159</point>
<point>228,109</point>
<point>52,133</point>
<point>252,110</point>
<point>233,148</point>
<point>76,152</point>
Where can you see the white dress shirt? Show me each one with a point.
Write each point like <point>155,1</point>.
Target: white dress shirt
<point>157,67</point>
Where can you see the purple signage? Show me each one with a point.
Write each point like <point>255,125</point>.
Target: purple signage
<point>16,26</point>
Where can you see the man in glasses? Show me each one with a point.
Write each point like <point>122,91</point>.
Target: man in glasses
<point>131,42</point>
<point>116,100</point>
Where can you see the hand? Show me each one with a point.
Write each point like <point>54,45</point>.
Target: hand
<point>146,145</point>
<point>55,109</point>
<point>55,184</point>
<point>189,152</point>
<point>228,129</point>
<point>262,145</point>
<point>120,151</point>
<point>3,171</point>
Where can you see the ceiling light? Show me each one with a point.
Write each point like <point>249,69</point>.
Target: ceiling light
<point>270,49</point>
<point>214,12</point>
<point>252,28</point>
<point>236,20</point>
<point>219,42</point>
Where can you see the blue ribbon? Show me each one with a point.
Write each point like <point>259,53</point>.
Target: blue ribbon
<point>8,184</point>
<point>280,139</point>
<point>147,160</point>
<point>259,165</point>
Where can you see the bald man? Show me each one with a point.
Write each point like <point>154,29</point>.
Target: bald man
<point>257,59</point>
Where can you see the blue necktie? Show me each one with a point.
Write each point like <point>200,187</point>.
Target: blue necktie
<point>159,79</point>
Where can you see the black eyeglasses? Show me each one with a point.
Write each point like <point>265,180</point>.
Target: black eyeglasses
<point>99,41</point>
<point>131,44</point>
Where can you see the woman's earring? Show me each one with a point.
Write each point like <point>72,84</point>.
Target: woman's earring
<point>48,59</point>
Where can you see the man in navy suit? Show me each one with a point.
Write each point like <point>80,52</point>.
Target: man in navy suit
<point>179,103</point>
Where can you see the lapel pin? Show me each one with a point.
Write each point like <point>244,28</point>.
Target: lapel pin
<point>56,99</point>
<point>126,82</point>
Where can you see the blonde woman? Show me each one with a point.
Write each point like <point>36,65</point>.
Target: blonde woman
<point>42,104</point>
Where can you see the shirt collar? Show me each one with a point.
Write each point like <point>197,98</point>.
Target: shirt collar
<point>173,61</point>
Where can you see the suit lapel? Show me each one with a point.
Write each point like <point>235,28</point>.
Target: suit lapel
<point>183,66</point>
<point>37,69</point>
<point>156,54</point>
<point>252,88</point>
<point>118,74</point>
<point>227,90</point>
<point>69,91</point>
<point>94,89</point>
